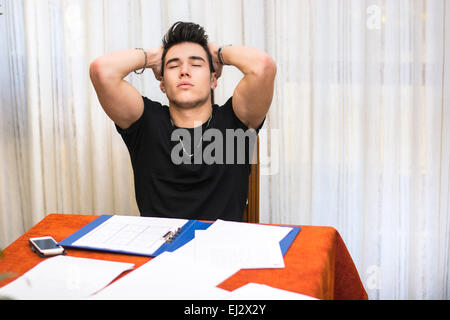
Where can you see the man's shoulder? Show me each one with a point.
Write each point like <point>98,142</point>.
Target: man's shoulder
<point>225,110</point>
<point>226,105</point>
<point>154,109</point>
<point>154,112</point>
<point>226,113</point>
<point>151,103</point>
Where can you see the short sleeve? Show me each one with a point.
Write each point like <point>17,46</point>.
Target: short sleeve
<point>238,122</point>
<point>133,134</point>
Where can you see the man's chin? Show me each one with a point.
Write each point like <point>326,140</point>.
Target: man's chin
<point>188,103</point>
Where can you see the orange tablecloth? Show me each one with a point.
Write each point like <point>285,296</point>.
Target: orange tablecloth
<point>317,264</point>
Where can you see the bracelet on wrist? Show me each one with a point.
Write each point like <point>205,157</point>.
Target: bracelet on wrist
<point>220,54</point>
<point>145,62</point>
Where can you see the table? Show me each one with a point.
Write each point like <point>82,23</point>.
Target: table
<point>317,264</point>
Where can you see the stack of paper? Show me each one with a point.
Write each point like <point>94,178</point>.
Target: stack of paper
<point>194,270</point>
<point>64,277</point>
<point>240,245</point>
<point>168,276</point>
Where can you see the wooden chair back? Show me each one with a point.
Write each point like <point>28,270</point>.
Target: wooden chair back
<point>251,212</point>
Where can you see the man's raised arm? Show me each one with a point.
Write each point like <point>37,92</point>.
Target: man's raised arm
<point>253,94</point>
<point>120,100</point>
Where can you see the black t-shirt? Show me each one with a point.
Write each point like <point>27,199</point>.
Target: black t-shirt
<point>212,184</point>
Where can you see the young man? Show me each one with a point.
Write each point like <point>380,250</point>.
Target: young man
<point>187,67</point>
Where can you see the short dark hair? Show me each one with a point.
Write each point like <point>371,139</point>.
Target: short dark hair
<point>185,32</point>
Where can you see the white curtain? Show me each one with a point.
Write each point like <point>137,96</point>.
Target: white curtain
<point>357,137</point>
<point>363,112</point>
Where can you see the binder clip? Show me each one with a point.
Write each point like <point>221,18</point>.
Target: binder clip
<point>172,234</point>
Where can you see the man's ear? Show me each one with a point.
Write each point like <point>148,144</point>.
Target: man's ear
<point>161,85</point>
<point>213,80</point>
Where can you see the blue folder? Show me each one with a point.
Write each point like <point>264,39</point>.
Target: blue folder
<point>186,234</point>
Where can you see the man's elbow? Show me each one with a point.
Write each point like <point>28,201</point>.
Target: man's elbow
<point>267,67</point>
<point>96,71</point>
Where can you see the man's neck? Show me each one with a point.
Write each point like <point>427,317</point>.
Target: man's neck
<point>190,117</point>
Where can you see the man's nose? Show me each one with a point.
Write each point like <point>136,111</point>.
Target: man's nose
<point>184,70</point>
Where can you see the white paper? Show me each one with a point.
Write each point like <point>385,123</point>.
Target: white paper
<point>64,277</point>
<point>246,252</point>
<point>240,245</point>
<point>141,235</point>
<point>194,270</point>
<point>255,291</point>
<point>241,228</point>
<point>169,276</point>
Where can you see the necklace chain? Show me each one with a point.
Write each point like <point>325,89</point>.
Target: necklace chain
<point>200,141</point>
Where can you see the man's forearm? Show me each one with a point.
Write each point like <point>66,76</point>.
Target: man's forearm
<point>253,94</point>
<point>248,60</point>
<point>118,64</point>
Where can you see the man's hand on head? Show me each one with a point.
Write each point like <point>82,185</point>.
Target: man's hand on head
<point>214,49</point>
<point>156,65</point>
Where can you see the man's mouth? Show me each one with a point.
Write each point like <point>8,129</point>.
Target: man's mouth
<point>185,85</point>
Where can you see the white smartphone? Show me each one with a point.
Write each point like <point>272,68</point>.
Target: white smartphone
<point>46,246</point>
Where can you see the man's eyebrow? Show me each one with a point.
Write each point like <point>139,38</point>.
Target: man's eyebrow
<point>190,58</point>
<point>172,60</point>
<point>196,58</point>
